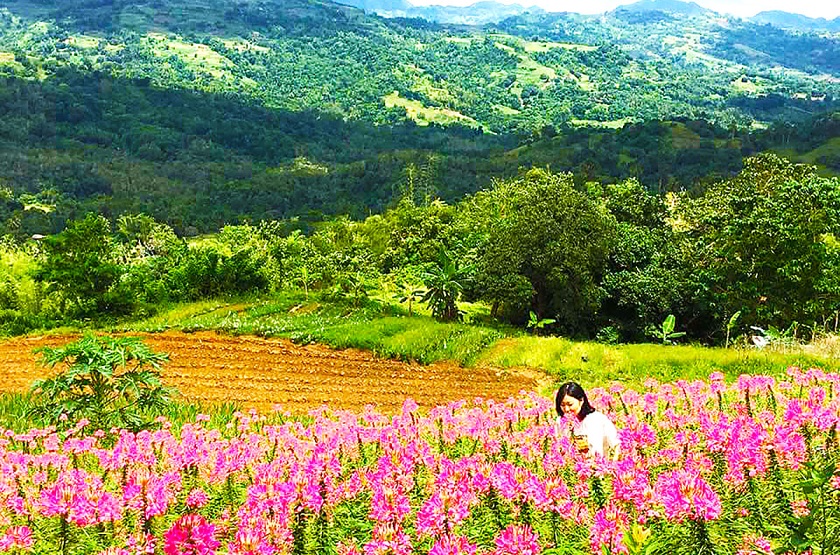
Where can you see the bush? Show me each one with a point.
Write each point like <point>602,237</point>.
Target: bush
<point>15,322</point>
<point>206,272</point>
<point>111,381</point>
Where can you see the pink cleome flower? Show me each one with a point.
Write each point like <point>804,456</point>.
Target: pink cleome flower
<point>191,535</point>
<point>16,537</point>
<point>453,545</point>
<point>800,508</point>
<point>347,547</point>
<point>685,494</point>
<point>754,544</point>
<point>197,498</point>
<point>517,540</point>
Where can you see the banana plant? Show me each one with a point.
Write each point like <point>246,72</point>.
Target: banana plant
<point>665,332</point>
<point>536,323</point>
<point>410,293</point>
<point>733,321</point>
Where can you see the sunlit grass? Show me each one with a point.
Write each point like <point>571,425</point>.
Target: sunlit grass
<point>385,328</point>
<point>600,364</point>
<point>15,412</point>
<point>381,327</point>
<point>424,115</point>
<point>175,316</point>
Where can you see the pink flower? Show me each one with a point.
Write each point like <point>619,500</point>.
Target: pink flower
<point>446,508</point>
<point>607,532</point>
<point>409,406</point>
<point>389,485</point>
<point>141,544</point>
<point>347,547</point>
<point>109,508</point>
<point>754,544</point>
<point>190,535</point>
<point>684,494</point>
<point>388,539</point>
<point>16,537</point>
<point>197,498</point>
<point>72,497</point>
<point>250,541</point>
<point>800,508</point>
<point>453,545</point>
<point>517,540</point>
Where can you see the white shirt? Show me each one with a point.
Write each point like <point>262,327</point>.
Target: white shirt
<point>599,430</point>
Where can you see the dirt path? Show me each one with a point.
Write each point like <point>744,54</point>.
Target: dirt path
<point>258,372</point>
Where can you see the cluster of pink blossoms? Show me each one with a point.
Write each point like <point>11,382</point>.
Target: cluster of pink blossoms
<point>475,478</point>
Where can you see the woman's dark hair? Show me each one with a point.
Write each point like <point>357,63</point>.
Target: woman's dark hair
<point>573,389</point>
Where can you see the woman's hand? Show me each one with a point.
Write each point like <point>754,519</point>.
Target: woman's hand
<point>582,443</point>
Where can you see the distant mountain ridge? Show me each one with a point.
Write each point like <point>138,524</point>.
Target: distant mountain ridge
<point>376,6</point>
<point>480,13</point>
<point>488,12</point>
<point>787,20</point>
<point>667,6</point>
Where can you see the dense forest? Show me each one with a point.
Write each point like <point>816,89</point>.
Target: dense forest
<point>607,261</point>
<point>79,142</point>
<point>335,150</point>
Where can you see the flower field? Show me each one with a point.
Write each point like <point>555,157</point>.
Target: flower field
<point>706,467</point>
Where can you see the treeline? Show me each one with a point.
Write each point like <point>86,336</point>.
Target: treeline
<point>80,143</point>
<point>811,52</point>
<point>606,260</point>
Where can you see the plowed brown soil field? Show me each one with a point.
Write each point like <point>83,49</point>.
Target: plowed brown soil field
<point>258,373</point>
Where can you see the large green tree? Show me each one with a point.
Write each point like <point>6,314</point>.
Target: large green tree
<point>646,279</point>
<point>766,243</point>
<point>79,265</point>
<point>546,248</point>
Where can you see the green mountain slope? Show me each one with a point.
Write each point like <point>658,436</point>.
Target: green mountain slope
<point>198,16</point>
<point>202,112</point>
<point>311,54</point>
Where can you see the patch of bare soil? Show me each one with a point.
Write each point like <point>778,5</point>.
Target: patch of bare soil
<point>259,373</point>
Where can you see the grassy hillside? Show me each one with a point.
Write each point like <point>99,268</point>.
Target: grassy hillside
<point>384,328</point>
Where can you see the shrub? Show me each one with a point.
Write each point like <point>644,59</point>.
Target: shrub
<point>111,381</point>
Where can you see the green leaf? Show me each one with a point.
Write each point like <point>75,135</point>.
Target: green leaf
<point>807,487</point>
<point>668,325</point>
<point>532,320</point>
<point>799,538</point>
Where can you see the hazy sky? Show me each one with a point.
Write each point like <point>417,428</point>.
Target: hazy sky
<point>741,8</point>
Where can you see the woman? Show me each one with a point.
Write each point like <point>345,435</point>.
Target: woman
<point>594,433</point>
